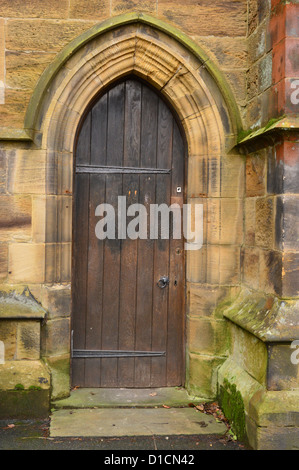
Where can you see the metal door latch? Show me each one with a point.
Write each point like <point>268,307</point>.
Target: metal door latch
<point>163,282</point>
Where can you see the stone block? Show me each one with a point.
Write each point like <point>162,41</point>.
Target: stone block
<point>3,167</point>
<point>119,6</point>
<point>275,408</point>
<point>202,300</point>
<point>255,175</point>
<point>218,19</point>
<point>43,35</point>
<point>231,221</point>
<point>287,223</point>
<point>23,69</point>
<point>202,375</point>
<point>26,172</point>
<point>8,335</point>
<point>207,336</point>
<point>3,260</point>
<point>15,217</point>
<point>29,374</point>
<point>249,222</point>
<point>290,279</point>
<point>270,272</point>
<point>232,176</point>
<point>34,9</point>
<point>249,353</point>
<point>229,52</point>
<point>60,374</point>
<point>264,236</point>
<point>94,9</point>
<point>56,299</point>
<point>282,373</point>
<point>250,266</point>
<point>16,103</point>
<point>56,337</point>
<point>28,340</point>
<point>26,262</point>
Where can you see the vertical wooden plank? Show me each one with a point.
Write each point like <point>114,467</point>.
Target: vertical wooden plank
<point>115,131</point>
<point>148,158</point>
<point>161,258</point>
<point>129,247</point>
<point>177,272</point>
<point>112,257</point>
<point>83,144</point>
<point>95,274</point>
<point>80,274</point>
<point>99,118</point>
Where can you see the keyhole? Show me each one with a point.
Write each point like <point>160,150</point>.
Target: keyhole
<point>175,282</point>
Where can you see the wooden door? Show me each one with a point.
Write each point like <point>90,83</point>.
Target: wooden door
<point>128,331</point>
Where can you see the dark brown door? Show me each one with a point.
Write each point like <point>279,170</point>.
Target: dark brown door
<point>128,323</point>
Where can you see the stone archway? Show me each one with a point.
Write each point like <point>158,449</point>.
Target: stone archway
<point>170,62</point>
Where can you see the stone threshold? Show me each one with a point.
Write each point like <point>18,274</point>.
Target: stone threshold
<point>174,397</point>
<point>133,422</point>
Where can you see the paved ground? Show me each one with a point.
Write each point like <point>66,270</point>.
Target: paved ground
<point>112,420</point>
<point>34,435</point>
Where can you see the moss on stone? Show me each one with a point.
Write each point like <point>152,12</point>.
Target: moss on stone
<point>232,404</point>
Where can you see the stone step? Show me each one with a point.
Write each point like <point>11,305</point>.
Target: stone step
<point>174,397</point>
<point>113,422</point>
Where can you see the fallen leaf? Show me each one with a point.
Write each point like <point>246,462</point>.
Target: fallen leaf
<point>10,425</point>
<point>165,406</point>
<point>153,394</point>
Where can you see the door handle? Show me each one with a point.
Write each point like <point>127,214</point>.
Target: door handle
<point>163,282</point>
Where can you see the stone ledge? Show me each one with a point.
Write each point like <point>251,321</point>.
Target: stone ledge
<point>268,318</point>
<point>280,409</point>
<point>26,375</point>
<point>268,135</point>
<point>14,305</point>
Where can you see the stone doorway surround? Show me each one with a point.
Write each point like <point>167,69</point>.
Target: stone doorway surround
<point>171,62</point>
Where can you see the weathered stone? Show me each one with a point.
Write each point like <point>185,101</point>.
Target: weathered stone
<point>250,266</point>
<point>94,9</point>
<point>224,19</point>
<point>249,222</point>
<point>34,9</point>
<point>28,340</point>
<point>268,408</point>
<point>255,175</point>
<point>249,353</point>
<point>26,172</point>
<point>282,373</point>
<point>13,112</point>
<point>28,374</point>
<point>60,375</point>
<point>118,6</point>
<point>270,272</point>
<point>23,69</point>
<point>56,337</point>
<point>26,262</point>
<point>202,375</point>
<point>15,217</point>
<point>3,260</point>
<point>290,284</point>
<point>229,52</point>
<point>264,235</point>
<point>43,35</point>
<point>202,300</point>
<point>8,334</point>
<point>17,302</point>
<point>57,300</point>
<point>287,223</point>
<point>207,336</point>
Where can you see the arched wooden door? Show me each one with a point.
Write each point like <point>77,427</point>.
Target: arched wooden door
<point>128,324</point>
